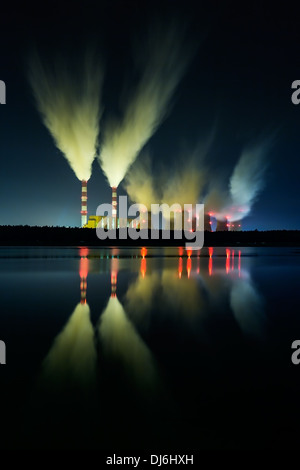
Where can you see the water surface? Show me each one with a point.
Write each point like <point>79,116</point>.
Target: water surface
<point>149,348</point>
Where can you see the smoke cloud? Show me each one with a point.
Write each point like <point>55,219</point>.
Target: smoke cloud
<point>69,104</point>
<point>247,180</point>
<point>245,184</point>
<point>139,183</point>
<point>163,62</point>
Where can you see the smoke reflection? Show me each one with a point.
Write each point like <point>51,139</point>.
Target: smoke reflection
<point>122,344</point>
<point>71,360</point>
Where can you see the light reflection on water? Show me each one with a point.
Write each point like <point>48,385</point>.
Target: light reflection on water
<point>136,358</point>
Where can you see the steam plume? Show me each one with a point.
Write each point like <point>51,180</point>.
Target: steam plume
<point>139,183</point>
<point>245,183</point>
<point>163,63</point>
<point>69,104</point>
<point>247,180</point>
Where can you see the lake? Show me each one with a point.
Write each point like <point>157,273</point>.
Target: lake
<point>153,348</point>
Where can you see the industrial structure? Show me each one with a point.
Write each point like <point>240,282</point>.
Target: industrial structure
<point>83,203</point>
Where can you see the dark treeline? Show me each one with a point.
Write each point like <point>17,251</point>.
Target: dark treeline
<point>62,236</point>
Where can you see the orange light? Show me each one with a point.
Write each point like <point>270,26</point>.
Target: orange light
<point>143,267</point>
<point>83,267</point>
<point>210,266</point>
<point>179,267</point>
<point>189,253</point>
<point>210,251</point>
<point>188,267</point>
<point>144,252</point>
<point>83,251</point>
<point>180,249</point>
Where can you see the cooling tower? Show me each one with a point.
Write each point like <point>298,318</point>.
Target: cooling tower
<point>83,203</point>
<point>222,226</point>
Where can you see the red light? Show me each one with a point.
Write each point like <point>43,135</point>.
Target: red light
<point>179,267</point>
<point>143,267</point>
<point>210,251</point>
<point>143,252</point>
<point>180,249</point>
<point>188,267</point>
<point>227,253</point>
<point>189,253</point>
<point>210,266</point>
<point>83,267</point>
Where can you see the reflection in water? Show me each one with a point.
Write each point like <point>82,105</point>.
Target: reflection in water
<point>121,342</point>
<point>72,357</point>
<point>181,294</point>
<point>247,307</point>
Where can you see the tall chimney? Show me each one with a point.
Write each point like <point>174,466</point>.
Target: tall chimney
<point>83,202</point>
<point>114,206</point>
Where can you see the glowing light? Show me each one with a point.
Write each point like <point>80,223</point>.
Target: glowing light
<point>143,267</point>
<point>181,251</point>
<point>210,251</point>
<point>179,268</point>
<point>188,267</point>
<point>227,253</point>
<point>227,264</point>
<point>144,252</point>
<point>210,266</point>
<point>189,253</point>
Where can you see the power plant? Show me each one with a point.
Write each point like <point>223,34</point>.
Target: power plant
<point>222,226</point>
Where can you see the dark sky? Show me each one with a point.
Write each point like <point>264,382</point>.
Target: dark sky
<point>238,85</point>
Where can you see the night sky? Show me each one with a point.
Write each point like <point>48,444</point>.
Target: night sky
<point>238,87</point>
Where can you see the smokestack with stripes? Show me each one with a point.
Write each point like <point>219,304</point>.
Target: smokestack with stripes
<point>114,206</point>
<point>83,203</point>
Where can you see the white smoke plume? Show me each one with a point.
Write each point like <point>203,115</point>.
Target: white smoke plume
<point>69,103</point>
<point>245,184</point>
<point>247,180</point>
<point>139,183</point>
<point>163,63</point>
